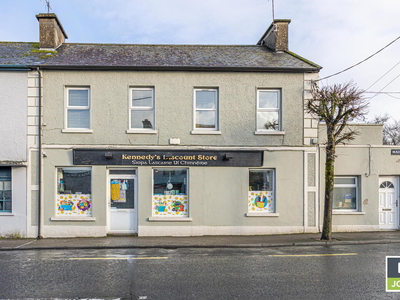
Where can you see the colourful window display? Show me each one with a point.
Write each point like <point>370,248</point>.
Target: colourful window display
<point>170,193</point>
<point>74,192</point>
<point>261,195</point>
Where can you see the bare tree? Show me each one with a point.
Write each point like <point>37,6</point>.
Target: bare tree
<point>391,129</point>
<point>337,106</point>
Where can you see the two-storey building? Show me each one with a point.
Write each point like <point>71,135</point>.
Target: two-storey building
<point>177,139</point>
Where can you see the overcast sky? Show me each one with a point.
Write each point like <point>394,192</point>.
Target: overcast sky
<point>333,33</point>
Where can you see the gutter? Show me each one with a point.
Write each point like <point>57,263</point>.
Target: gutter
<point>40,156</point>
<point>14,68</point>
<point>173,68</point>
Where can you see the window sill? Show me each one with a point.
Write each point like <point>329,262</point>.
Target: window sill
<point>74,219</point>
<point>169,219</point>
<point>206,132</point>
<point>269,132</point>
<point>348,212</point>
<point>77,130</point>
<point>262,214</point>
<point>144,131</point>
<point>6,214</point>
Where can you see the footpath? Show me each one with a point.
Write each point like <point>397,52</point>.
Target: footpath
<point>255,241</point>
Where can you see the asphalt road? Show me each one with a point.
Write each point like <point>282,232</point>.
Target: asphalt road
<point>336,272</point>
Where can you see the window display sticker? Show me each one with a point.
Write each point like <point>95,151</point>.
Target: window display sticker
<point>120,187</point>
<point>115,190</point>
<point>261,201</point>
<point>74,205</point>
<point>170,206</point>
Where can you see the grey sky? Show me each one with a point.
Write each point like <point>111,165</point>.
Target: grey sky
<point>334,34</point>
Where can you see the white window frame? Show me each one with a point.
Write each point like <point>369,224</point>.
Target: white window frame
<point>217,116</point>
<point>262,213</point>
<point>355,185</point>
<point>67,107</point>
<point>279,110</point>
<point>71,218</point>
<point>142,108</point>
<point>175,218</point>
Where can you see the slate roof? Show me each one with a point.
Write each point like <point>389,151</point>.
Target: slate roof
<point>114,56</point>
<point>18,53</point>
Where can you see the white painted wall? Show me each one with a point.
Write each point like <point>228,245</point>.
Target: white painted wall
<point>13,116</point>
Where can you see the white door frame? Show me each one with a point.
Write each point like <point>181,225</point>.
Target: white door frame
<point>108,200</point>
<point>396,181</point>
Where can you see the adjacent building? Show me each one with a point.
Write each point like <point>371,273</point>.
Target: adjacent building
<point>19,120</point>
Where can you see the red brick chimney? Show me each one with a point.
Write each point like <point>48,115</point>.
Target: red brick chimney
<point>277,36</point>
<point>52,34</point>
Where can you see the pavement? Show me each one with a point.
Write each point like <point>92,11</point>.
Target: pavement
<point>253,241</point>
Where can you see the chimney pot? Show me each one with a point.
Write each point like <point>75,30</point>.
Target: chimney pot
<point>52,34</point>
<point>277,35</point>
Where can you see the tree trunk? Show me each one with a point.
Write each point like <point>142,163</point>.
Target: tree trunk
<point>329,182</point>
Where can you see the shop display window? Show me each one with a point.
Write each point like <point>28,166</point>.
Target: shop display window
<point>261,195</point>
<point>74,192</point>
<point>170,193</point>
<point>5,190</point>
<point>345,193</point>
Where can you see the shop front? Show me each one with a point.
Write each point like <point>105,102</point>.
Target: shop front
<point>177,192</point>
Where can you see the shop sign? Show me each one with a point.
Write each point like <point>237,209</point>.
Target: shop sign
<point>182,158</point>
<point>395,151</point>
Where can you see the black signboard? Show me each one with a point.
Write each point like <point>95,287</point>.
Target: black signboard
<point>395,151</point>
<point>175,158</point>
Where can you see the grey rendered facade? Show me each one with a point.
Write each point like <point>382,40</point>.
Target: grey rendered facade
<point>372,164</point>
<point>217,195</point>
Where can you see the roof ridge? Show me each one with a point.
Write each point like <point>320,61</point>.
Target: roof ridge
<point>6,42</point>
<point>171,45</point>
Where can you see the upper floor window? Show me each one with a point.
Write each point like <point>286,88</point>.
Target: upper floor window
<point>78,108</point>
<point>142,109</point>
<point>269,110</point>
<point>206,109</point>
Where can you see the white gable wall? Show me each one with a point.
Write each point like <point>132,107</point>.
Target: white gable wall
<point>13,116</point>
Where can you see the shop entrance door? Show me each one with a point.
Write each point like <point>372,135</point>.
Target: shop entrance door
<point>388,203</point>
<point>122,212</point>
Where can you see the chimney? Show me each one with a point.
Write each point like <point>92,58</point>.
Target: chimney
<point>277,36</point>
<point>52,34</point>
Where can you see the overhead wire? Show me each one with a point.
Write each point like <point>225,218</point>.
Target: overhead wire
<point>360,61</point>
<point>382,76</point>
<point>384,87</point>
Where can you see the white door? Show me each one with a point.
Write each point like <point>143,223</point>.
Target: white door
<point>122,216</point>
<point>388,211</point>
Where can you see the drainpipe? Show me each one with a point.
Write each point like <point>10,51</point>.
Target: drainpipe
<point>369,162</point>
<point>40,157</point>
